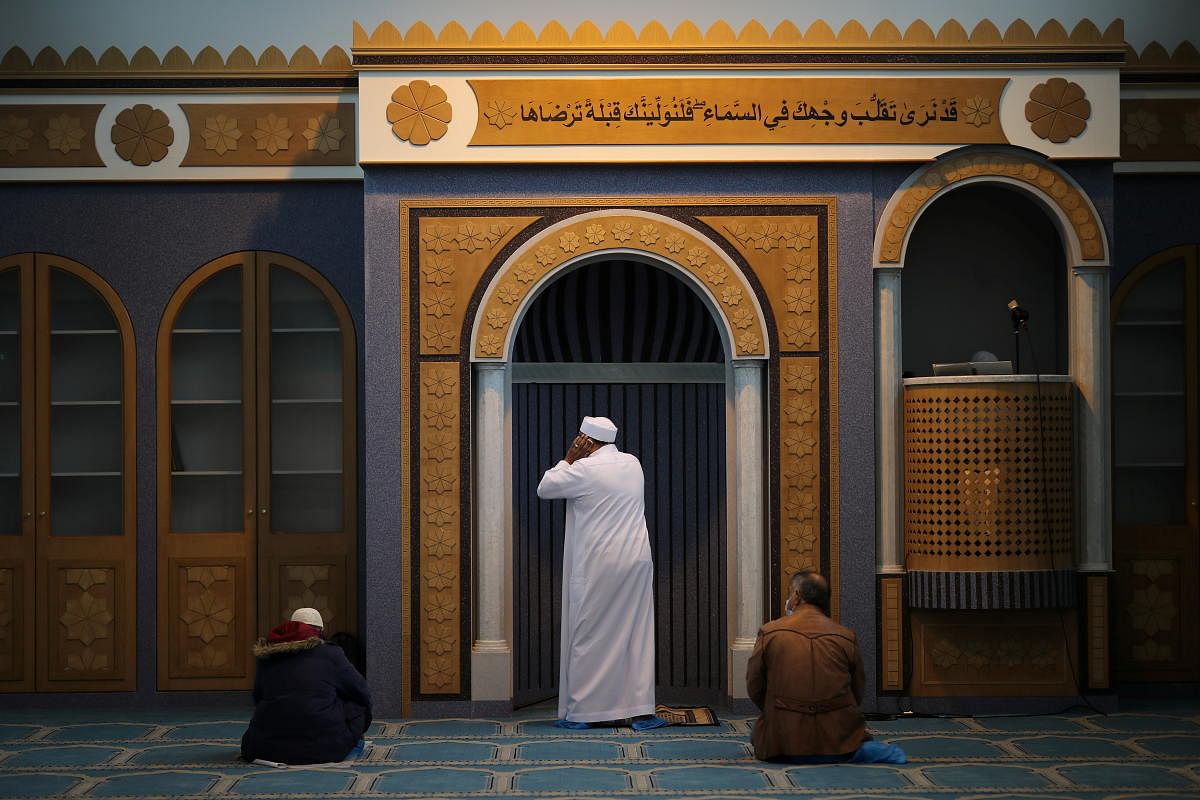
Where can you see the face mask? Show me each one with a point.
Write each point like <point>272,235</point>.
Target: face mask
<point>788,608</point>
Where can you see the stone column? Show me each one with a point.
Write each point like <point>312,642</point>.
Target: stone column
<point>750,516</point>
<point>491,652</point>
<point>1089,348</point>
<point>889,424</point>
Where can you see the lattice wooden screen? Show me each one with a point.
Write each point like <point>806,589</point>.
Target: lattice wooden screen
<point>987,485</point>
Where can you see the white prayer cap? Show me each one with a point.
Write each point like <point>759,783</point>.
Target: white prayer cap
<point>309,616</point>
<point>601,429</point>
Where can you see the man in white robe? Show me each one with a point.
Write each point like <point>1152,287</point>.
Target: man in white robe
<point>607,665</point>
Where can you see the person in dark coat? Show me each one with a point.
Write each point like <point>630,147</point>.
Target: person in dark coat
<point>310,705</point>
<point>806,675</point>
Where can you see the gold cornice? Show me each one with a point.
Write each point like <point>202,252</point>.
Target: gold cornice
<point>1154,59</point>
<point>752,38</point>
<point>82,66</point>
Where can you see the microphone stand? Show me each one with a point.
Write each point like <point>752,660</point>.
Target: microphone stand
<point>1020,322</point>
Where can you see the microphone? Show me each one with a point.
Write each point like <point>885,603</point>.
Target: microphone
<point>1020,317</point>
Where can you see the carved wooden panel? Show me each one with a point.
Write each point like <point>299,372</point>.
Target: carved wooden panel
<point>988,476</point>
<point>318,583</point>
<point>891,629</point>
<point>206,618</point>
<point>975,653</point>
<point>1155,637</point>
<point>83,608</point>
<point>49,136</point>
<point>1097,631</point>
<point>270,134</point>
<point>440,580</point>
<point>455,251</point>
<point>12,611</point>
<point>1160,130</point>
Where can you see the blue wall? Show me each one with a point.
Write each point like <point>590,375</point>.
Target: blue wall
<point>853,187</point>
<point>144,239</point>
<point>1154,212</point>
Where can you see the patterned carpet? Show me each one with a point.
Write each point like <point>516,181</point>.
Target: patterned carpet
<point>1139,755</point>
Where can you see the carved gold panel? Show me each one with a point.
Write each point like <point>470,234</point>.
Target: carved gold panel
<point>737,110</point>
<point>891,628</point>
<point>674,243</point>
<point>1160,130</point>
<point>800,466</point>
<point>784,253</point>
<point>83,609</point>
<point>454,253</point>
<point>270,134</point>
<point>984,653</point>
<point>207,610</point>
<point>49,136</point>
<point>438,470</point>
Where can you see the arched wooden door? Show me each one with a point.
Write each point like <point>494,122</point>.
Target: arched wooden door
<point>631,342</point>
<point>1156,453</point>
<point>257,464</point>
<point>67,480</point>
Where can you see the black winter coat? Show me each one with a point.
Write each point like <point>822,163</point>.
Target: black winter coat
<point>310,705</point>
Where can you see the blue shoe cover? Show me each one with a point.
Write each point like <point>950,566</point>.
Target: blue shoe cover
<point>648,723</point>
<point>572,726</point>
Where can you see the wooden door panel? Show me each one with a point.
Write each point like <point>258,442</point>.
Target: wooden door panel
<point>16,607</point>
<point>312,581</point>
<point>89,617</point>
<point>207,620</point>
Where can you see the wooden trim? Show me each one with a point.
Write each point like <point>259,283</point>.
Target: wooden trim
<point>19,553</point>
<point>257,359</point>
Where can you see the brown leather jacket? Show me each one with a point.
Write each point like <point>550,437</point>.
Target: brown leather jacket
<point>806,675</point>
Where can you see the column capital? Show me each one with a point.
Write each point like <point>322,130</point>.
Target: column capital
<point>489,366</point>
<point>887,269</point>
<point>749,363</point>
<point>1091,269</point>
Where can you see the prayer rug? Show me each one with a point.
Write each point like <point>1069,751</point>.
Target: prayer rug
<point>687,715</point>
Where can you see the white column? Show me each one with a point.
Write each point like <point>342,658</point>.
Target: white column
<point>491,653</point>
<point>750,516</point>
<point>1089,346</point>
<point>889,424</point>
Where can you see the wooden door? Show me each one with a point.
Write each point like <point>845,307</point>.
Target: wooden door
<point>257,460</point>
<point>307,551</point>
<point>68,579</point>
<point>677,430</point>
<point>1156,482</point>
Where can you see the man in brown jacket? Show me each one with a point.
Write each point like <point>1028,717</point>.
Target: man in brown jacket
<point>806,675</point>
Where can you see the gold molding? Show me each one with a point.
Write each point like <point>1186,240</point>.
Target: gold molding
<point>891,633</point>
<point>753,37</point>
<point>1045,177</point>
<point>671,241</point>
<point>1154,58</point>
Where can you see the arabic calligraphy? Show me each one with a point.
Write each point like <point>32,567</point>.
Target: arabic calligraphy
<point>739,111</point>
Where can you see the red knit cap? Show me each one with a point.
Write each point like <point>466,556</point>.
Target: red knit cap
<point>292,631</point>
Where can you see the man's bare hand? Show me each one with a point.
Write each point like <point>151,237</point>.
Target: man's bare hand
<point>582,447</point>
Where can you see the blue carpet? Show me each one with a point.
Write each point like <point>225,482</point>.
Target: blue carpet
<point>1131,756</point>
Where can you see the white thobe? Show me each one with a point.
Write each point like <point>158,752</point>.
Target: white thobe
<point>607,667</point>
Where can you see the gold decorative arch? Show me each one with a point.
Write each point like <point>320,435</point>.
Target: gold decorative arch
<point>1079,221</point>
<point>654,235</point>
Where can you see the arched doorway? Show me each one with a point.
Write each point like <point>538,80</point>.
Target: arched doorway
<point>626,339</point>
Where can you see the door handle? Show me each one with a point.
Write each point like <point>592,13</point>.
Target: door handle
<point>262,511</point>
<point>28,514</point>
<point>42,514</point>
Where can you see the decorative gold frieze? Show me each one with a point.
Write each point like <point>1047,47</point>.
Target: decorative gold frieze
<point>175,63</point>
<point>1154,58</point>
<point>658,236</point>
<point>1160,130</point>
<point>1043,176</point>
<point>454,253</point>
<point>49,136</point>
<point>704,110</point>
<point>752,37</point>
<point>270,134</point>
<point>439,466</point>
<point>1058,110</point>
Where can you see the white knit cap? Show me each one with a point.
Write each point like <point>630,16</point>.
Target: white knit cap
<point>601,429</point>
<point>309,616</point>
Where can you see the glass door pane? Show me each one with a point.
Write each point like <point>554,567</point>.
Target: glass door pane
<point>306,407</point>
<point>1149,404</point>
<point>10,402</point>
<point>206,408</point>
<point>86,431</point>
